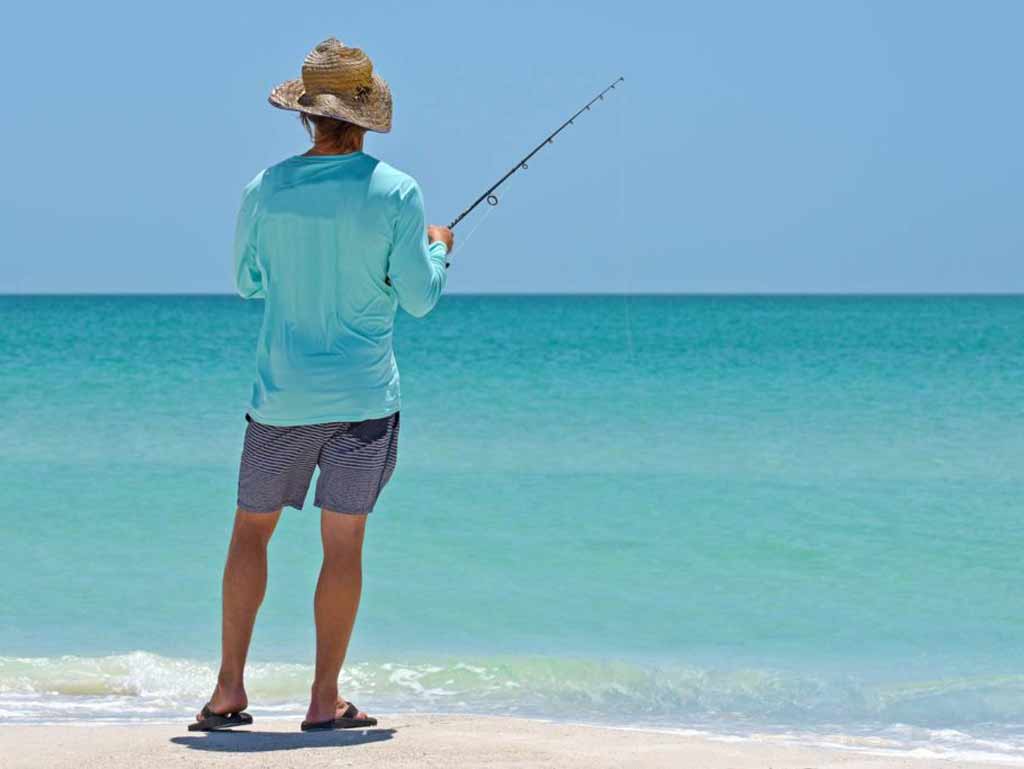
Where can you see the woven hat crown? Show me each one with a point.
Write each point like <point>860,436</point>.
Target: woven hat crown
<point>334,68</point>
<point>338,82</point>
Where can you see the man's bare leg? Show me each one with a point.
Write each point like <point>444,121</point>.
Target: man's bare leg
<point>245,583</point>
<point>336,602</point>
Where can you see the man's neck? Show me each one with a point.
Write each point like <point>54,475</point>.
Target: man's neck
<point>325,148</point>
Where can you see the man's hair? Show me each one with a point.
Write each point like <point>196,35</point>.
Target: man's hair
<point>337,132</point>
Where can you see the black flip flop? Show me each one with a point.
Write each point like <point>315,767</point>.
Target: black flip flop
<point>347,720</point>
<point>213,722</point>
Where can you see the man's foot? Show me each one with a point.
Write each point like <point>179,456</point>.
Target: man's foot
<point>326,708</point>
<point>346,716</point>
<point>226,700</point>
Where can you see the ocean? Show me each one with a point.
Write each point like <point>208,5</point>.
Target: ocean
<point>798,518</point>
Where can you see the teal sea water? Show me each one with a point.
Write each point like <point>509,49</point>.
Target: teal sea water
<point>796,516</point>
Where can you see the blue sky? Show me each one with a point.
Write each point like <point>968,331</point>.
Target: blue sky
<point>756,147</point>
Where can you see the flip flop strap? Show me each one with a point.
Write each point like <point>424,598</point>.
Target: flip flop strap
<point>207,713</point>
<point>351,711</point>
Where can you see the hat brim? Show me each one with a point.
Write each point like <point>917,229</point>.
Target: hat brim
<point>371,111</point>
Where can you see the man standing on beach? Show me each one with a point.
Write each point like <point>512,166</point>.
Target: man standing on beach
<point>333,241</point>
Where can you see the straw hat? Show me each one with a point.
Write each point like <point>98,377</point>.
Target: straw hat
<point>338,82</point>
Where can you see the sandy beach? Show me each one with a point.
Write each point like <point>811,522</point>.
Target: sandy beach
<point>415,741</point>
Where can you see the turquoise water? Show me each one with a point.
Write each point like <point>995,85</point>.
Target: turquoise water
<point>790,515</point>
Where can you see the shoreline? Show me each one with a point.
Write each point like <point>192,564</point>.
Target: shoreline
<point>828,742</point>
<point>417,740</point>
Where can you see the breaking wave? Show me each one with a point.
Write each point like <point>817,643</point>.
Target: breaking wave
<point>966,718</point>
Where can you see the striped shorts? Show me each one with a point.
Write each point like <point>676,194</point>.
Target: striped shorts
<point>356,460</point>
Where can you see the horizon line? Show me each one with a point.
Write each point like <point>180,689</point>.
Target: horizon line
<point>862,294</point>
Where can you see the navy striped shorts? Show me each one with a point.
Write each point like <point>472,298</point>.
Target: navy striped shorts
<point>356,460</point>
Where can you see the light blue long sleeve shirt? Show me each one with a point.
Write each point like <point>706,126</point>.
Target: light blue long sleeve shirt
<point>316,238</point>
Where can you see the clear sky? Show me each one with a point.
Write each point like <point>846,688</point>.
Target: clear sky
<point>756,147</point>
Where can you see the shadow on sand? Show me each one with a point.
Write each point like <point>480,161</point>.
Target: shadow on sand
<point>256,741</point>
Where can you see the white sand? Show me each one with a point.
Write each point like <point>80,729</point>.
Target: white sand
<point>414,741</point>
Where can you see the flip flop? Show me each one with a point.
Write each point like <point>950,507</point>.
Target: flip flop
<point>212,722</point>
<point>347,720</point>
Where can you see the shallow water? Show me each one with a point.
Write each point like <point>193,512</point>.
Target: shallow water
<point>774,514</point>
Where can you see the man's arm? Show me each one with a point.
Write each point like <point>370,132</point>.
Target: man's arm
<point>417,263</point>
<point>248,278</point>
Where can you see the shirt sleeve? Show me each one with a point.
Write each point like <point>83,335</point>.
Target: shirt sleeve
<point>248,277</point>
<point>417,270</point>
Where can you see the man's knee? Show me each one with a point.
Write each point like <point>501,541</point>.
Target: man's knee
<point>255,528</point>
<point>342,533</point>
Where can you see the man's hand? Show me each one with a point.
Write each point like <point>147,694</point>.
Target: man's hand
<point>446,236</point>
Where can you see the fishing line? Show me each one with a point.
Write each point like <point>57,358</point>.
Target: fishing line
<point>623,245</point>
<point>479,222</point>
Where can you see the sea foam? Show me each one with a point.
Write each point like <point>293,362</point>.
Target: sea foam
<point>742,703</point>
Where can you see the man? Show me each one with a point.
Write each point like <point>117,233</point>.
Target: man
<point>333,241</point>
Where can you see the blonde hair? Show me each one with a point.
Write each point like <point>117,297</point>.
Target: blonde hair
<point>337,133</point>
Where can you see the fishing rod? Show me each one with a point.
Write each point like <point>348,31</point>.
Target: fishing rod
<point>489,195</point>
